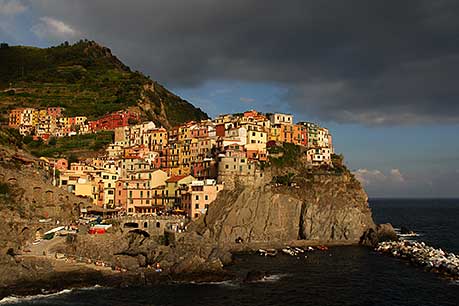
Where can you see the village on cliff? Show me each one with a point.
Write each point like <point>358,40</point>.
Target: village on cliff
<point>149,170</point>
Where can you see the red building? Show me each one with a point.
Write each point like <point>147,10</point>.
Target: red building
<point>220,130</point>
<point>113,121</point>
<point>204,169</point>
<point>55,112</point>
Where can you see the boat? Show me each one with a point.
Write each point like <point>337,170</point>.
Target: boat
<point>289,251</point>
<point>262,252</point>
<point>267,252</point>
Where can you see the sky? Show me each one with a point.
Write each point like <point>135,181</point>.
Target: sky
<point>381,75</point>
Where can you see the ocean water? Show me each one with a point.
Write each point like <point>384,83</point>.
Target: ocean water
<point>340,276</point>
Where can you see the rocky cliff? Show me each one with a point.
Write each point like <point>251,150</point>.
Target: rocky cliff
<point>29,204</point>
<point>321,206</point>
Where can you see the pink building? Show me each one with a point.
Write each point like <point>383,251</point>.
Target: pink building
<point>136,196</point>
<point>199,196</point>
<point>55,111</point>
<point>61,164</point>
<point>199,131</point>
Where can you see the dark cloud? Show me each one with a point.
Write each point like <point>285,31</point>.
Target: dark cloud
<point>350,61</point>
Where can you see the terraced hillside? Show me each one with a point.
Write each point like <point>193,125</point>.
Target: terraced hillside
<point>87,80</point>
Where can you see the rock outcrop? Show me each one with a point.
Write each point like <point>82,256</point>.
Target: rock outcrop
<point>134,250</point>
<point>320,207</point>
<point>380,233</point>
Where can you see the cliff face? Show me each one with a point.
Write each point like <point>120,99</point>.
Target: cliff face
<point>25,198</point>
<point>320,207</point>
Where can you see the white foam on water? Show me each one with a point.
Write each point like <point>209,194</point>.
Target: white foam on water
<point>91,288</point>
<point>226,283</point>
<point>272,278</point>
<point>18,299</point>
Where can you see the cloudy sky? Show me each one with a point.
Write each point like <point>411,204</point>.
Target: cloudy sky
<point>382,75</point>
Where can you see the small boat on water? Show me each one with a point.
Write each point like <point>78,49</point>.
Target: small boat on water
<point>293,251</point>
<point>267,252</point>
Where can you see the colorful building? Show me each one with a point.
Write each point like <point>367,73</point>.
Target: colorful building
<point>198,197</point>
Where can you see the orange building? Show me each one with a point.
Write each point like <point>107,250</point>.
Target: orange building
<point>15,118</point>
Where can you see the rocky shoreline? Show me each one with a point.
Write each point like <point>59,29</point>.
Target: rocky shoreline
<point>71,275</point>
<point>53,282</point>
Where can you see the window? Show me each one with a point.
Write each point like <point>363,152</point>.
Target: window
<point>226,167</point>
<point>206,197</point>
<point>207,206</point>
<point>158,225</point>
<point>130,194</point>
<point>197,198</point>
<point>113,177</point>
<point>109,185</point>
<point>196,206</point>
<point>110,192</point>
<point>105,177</point>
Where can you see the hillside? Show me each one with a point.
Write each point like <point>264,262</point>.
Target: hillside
<point>87,80</point>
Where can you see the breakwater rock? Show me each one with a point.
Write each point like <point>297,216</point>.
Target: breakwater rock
<point>435,260</point>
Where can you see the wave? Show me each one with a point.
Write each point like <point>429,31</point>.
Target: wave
<point>226,283</point>
<point>271,278</point>
<point>92,288</point>
<point>19,299</point>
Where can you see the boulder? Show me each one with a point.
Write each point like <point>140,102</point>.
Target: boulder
<point>380,233</point>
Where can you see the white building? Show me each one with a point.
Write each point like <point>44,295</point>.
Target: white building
<point>279,118</point>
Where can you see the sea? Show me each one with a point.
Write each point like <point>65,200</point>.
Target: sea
<point>340,276</point>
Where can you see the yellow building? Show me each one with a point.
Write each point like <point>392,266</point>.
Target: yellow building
<point>84,187</point>
<point>175,187</point>
<point>257,137</point>
<point>156,139</point>
<point>29,117</point>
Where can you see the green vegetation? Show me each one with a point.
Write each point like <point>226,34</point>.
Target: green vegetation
<point>71,146</point>
<point>286,180</point>
<point>4,190</point>
<point>86,79</point>
<point>286,155</point>
<point>10,137</point>
<point>338,163</point>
